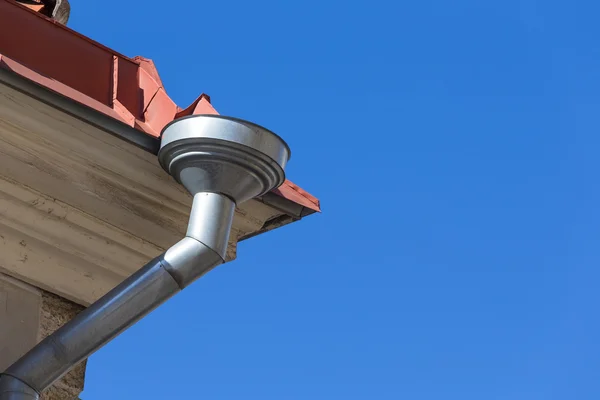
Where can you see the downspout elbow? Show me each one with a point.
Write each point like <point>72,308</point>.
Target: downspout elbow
<point>188,260</point>
<point>207,237</point>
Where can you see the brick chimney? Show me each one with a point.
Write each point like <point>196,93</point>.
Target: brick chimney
<point>58,10</point>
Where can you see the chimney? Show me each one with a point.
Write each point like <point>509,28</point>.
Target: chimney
<point>58,10</point>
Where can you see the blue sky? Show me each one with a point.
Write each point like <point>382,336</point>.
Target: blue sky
<point>454,147</point>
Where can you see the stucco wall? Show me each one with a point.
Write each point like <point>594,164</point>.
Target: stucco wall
<point>28,315</point>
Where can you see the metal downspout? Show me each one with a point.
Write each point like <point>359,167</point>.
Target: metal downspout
<point>221,161</point>
<point>131,300</point>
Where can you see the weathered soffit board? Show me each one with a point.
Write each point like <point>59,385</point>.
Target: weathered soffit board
<point>81,209</point>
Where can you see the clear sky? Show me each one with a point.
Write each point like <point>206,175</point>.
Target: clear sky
<point>454,146</point>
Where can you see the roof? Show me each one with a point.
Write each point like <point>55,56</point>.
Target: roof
<point>128,90</point>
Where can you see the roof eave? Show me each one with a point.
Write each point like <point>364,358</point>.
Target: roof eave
<point>25,81</point>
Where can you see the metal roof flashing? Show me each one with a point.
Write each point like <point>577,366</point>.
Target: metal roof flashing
<point>120,95</point>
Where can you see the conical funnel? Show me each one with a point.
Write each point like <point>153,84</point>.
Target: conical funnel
<point>212,153</point>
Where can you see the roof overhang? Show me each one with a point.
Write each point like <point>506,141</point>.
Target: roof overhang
<point>83,200</point>
<point>126,90</point>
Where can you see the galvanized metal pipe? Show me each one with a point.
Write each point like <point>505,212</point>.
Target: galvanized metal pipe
<point>215,158</point>
<point>14,389</point>
<point>120,308</point>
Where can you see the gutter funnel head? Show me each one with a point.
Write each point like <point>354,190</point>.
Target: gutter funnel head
<point>212,153</point>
